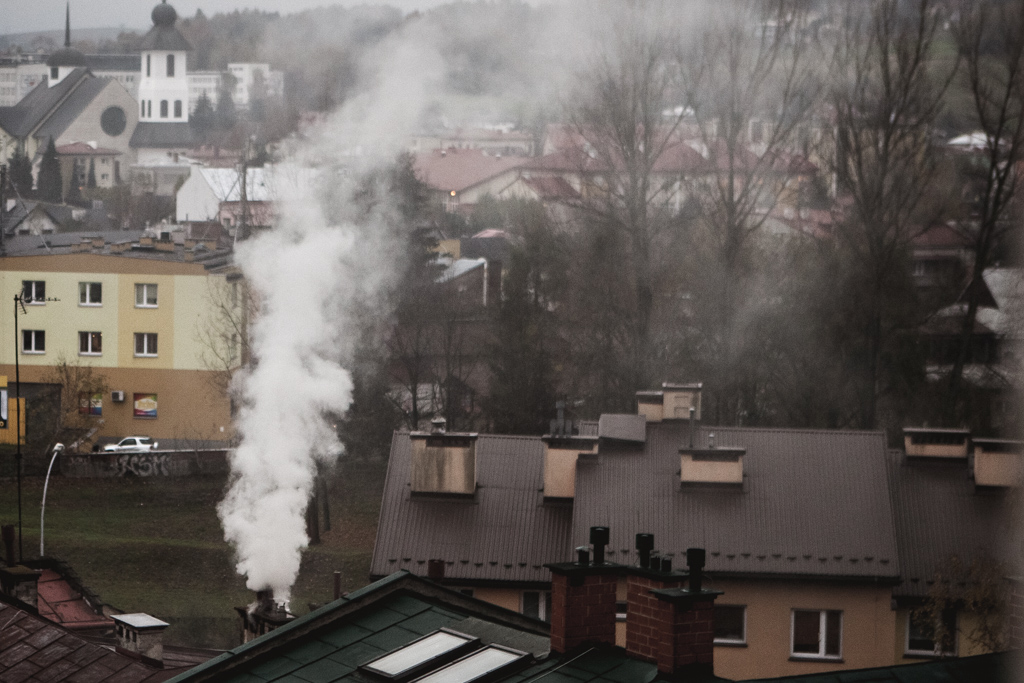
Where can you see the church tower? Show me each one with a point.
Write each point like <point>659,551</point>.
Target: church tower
<point>163,86</point>
<point>67,59</point>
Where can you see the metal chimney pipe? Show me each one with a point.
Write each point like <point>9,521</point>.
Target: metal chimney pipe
<point>644,546</point>
<point>599,539</point>
<point>582,555</point>
<point>666,564</point>
<point>695,563</point>
<point>437,425</point>
<point>693,411</point>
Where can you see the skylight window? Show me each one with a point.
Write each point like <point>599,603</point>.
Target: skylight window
<point>429,651</point>
<point>476,666</point>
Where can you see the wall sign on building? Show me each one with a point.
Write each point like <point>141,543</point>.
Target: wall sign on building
<point>145,405</point>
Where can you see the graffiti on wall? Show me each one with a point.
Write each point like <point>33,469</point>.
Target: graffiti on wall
<point>143,464</point>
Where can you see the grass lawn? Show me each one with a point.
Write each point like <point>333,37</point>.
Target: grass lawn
<point>156,546</point>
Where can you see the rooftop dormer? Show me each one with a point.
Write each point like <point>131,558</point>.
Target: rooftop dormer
<point>926,442</point>
<point>998,462</point>
<point>443,463</point>
<point>671,402</point>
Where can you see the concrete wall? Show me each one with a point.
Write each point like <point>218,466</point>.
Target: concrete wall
<point>443,468</point>
<point>560,472</point>
<point>152,464</point>
<point>86,126</point>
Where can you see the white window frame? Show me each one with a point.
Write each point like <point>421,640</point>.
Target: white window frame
<point>822,635</point>
<point>29,287</point>
<point>146,353</point>
<point>733,641</point>
<point>937,650</point>
<point>542,604</point>
<point>90,352</point>
<point>143,287</point>
<point>85,294</point>
<point>35,338</point>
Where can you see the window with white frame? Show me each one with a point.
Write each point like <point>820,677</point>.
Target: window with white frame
<point>33,341</point>
<point>90,343</point>
<point>731,624</point>
<point>145,343</point>
<point>817,634</point>
<point>145,296</point>
<point>924,638</point>
<point>33,291</point>
<point>90,293</point>
<point>537,604</point>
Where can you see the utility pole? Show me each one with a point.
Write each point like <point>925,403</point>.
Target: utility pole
<point>3,207</point>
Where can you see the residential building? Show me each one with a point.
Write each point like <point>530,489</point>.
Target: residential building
<point>405,628</point>
<point>141,311</point>
<point>801,528</point>
<point>216,194</point>
<point>254,82</point>
<point>496,140</point>
<point>458,178</point>
<point>204,83</point>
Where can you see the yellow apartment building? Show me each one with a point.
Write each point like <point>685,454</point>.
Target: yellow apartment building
<point>143,314</point>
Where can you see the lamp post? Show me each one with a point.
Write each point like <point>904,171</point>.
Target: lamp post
<point>57,450</point>
<point>19,303</point>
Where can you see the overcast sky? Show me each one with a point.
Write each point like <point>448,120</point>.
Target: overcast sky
<point>19,16</point>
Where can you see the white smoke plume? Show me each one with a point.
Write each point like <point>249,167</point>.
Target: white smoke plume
<point>307,273</point>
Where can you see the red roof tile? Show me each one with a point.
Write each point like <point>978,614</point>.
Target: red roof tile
<point>33,650</point>
<point>460,169</point>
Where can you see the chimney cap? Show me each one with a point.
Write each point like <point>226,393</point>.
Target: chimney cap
<point>140,621</point>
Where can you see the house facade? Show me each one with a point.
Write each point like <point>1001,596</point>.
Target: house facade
<point>821,569</point>
<point>137,319</point>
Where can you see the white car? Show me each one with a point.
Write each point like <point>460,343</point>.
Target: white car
<point>132,443</point>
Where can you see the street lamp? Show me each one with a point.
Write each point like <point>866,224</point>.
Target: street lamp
<point>19,303</point>
<point>57,450</point>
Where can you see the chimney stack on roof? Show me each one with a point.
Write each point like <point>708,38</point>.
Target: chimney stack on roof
<point>22,584</point>
<point>263,616</point>
<point>666,623</point>
<point>141,636</point>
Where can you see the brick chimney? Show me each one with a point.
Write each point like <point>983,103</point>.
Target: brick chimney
<point>583,596</point>
<point>21,583</point>
<point>670,625</point>
<point>263,616</point>
<point>141,636</point>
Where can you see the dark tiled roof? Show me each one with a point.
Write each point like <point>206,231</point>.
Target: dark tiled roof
<point>71,108</point>
<point>505,534</point>
<point>34,650</point>
<point>993,668</point>
<point>164,38</point>
<point>812,503</point>
<point>329,643</point>
<point>153,134</point>
<point>21,119</point>
<point>940,514</point>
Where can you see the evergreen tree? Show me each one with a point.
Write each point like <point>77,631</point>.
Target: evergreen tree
<point>91,181</point>
<point>203,118</point>
<point>50,183</point>
<point>226,114</point>
<point>21,173</point>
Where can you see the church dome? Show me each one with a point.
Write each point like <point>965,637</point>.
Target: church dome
<point>66,56</point>
<point>164,15</point>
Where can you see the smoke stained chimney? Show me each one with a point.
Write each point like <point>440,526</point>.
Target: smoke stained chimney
<point>263,616</point>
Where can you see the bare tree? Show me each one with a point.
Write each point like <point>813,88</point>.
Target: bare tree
<point>224,334</point>
<point>617,119</point>
<point>749,80</point>
<point>990,37</point>
<point>886,97</point>
<point>70,413</point>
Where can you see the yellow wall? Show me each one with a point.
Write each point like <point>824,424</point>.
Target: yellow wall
<point>509,598</point>
<point>189,404</point>
<point>868,626</point>
<point>967,644</point>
